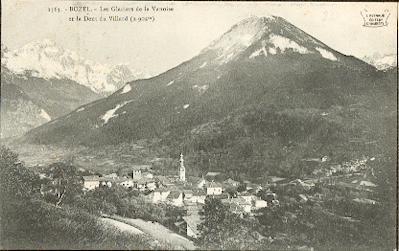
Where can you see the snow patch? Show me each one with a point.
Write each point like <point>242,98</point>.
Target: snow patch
<point>382,62</point>
<point>44,115</point>
<point>326,54</point>
<point>255,53</point>
<point>126,89</point>
<point>239,38</point>
<point>111,113</point>
<point>80,109</point>
<point>203,65</point>
<point>186,106</point>
<point>258,53</point>
<point>284,43</point>
<point>367,183</point>
<point>365,201</point>
<point>170,83</point>
<point>272,51</point>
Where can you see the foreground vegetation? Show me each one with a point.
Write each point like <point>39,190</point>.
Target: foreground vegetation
<point>28,221</point>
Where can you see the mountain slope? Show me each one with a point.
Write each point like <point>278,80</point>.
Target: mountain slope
<point>28,101</point>
<point>18,112</point>
<point>45,59</point>
<point>264,85</point>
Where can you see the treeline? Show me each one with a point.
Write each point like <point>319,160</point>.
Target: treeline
<point>261,141</point>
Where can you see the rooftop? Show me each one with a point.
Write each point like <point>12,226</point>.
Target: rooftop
<point>213,184</point>
<point>174,195</point>
<point>91,178</point>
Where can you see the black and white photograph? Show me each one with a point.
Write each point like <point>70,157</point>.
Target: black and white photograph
<point>185,125</point>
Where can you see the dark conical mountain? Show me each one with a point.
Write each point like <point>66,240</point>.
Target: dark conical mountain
<point>264,82</point>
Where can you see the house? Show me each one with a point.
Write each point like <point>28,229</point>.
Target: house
<point>160,195</point>
<point>135,171</point>
<point>164,181</point>
<point>214,188</point>
<point>201,183</point>
<point>232,182</point>
<point>259,203</point>
<point>212,176</point>
<point>151,184</point>
<point>147,175</point>
<point>241,202</point>
<point>146,184</point>
<point>111,176</point>
<point>198,196</point>
<point>136,174</point>
<point>126,182</point>
<point>175,198</point>
<point>247,197</point>
<point>91,182</point>
<point>105,182</point>
<point>187,194</point>
<point>248,185</point>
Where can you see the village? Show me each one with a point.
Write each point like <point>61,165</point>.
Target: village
<point>244,198</point>
<point>182,191</point>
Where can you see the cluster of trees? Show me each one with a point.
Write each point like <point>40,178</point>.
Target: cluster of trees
<point>127,203</point>
<point>30,221</point>
<point>222,229</point>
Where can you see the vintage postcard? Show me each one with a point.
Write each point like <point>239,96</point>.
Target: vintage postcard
<point>147,125</point>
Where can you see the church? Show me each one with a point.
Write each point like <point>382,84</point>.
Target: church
<point>182,169</point>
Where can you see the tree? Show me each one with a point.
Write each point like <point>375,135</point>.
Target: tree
<point>65,182</point>
<point>222,229</point>
<point>16,181</point>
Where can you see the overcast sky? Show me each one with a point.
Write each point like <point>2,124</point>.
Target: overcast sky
<point>179,35</point>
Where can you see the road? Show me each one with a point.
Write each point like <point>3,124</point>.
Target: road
<point>122,226</point>
<point>155,230</point>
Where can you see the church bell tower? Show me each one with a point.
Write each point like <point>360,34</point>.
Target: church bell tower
<point>182,169</point>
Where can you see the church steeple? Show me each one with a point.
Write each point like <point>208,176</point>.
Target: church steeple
<point>182,169</point>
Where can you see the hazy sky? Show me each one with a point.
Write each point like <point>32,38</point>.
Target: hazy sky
<point>179,35</point>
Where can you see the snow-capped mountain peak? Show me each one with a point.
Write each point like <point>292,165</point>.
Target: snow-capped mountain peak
<point>48,60</point>
<point>382,62</point>
<point>269,35</point>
